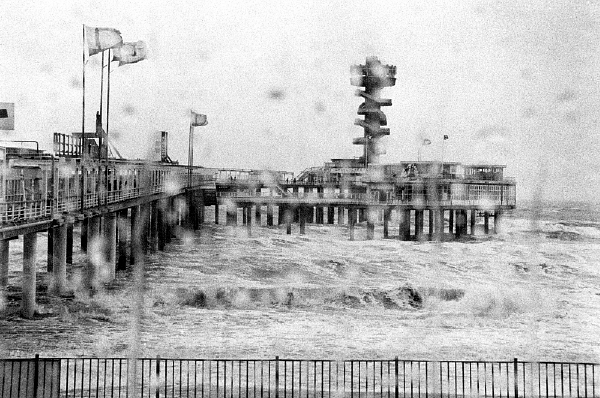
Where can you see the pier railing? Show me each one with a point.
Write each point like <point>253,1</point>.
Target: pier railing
<point>19,208</point>
<point>282,378</point>
<point>372,199</point>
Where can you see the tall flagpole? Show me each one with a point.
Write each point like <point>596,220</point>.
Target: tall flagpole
<point>107,107</point>
<point>190,154</point>
<point>101,84</point>
<point>83,123</point>
<point>108,97</point>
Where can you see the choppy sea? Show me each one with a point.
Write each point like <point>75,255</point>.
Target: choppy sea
<point>532,292</point>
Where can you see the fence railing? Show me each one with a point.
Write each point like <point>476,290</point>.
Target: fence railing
<point>282,378</point>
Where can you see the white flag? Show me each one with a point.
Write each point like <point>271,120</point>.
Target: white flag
<point>198,119</point>
<point>100,39</point>
<point>130,53</point>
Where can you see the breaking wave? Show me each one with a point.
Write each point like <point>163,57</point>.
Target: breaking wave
<point>401,298</point>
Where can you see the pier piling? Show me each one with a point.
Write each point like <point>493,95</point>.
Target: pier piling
<point>59,259</point>
<point>29,275</point>
<point>4,251</point>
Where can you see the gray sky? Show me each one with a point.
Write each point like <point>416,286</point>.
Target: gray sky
<point>510,82</point>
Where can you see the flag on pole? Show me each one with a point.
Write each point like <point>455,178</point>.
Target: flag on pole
<point>445,137</point>
<point>198,119</point>
<point>130,53</point>
<point>100,39</point>
<point>426,141</point>
<point>7,116</point>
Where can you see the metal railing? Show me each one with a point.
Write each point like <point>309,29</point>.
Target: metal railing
<point>373,199</point>
<point>280,378</point>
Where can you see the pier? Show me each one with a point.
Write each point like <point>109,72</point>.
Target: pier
<point>125,208</point>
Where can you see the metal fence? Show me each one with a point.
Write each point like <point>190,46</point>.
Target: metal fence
<point>283,378</point>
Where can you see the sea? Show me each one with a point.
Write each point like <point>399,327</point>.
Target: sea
<point>531,291</point>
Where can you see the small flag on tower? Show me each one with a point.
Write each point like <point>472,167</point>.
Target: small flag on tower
<point>445,137</point>
<point>198,119</point>
<point>426,141</point>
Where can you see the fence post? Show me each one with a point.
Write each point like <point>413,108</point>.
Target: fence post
<point>516,370</point>
<point>351,378</point>
<point>277,377</point>
<point>396,370</point>
<point>36,372</point>
<point>157,376</point>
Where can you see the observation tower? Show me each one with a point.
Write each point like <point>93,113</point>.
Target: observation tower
<point>373,76</point>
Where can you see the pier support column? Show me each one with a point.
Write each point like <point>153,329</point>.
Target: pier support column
<point>70,242</point>
<point>461,223</point>
<point>84,234</point>
<point>122,232</point>
<point>110,244</point>
<point>146,213</point>
<point>91,265</point>
<point>302,216</point>
<point>201,208</point>
<point>486,223</point>
<point>217,213</point>
<point>404,228</point>
<point>59,259</point>
<point>340,215</point>
<point>288,217</point>
<point>50,249</point>
<point>451,222</point>
<point>195,210</point>
<point>248,210</point>
<point>419,224</point>
<point>171,220</point>
<point>320,215</point>
<point>362,215</point>
<point>231,215</point>
<point>160,221</point>
<point>497,219</point>
<point>371,214</point>
<point>29,274</point>
<point>351,221</point>
<point>280,210</point>
<point>257,215</point>
<point>4,246</point>
<point>439,224</point>
<point>387,215</point>
<point>473,221</point>
<point>135,214</point>
<point>138,237</point>
<point>154,225</point>
<point>431,223</point>
<point>269,215</point>
<point>330,214</point>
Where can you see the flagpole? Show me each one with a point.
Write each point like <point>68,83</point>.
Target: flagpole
<point>190,154</point>
<point>83,122</point>
<point>107,104</point>
<point>101,84</point>
<point>107,98</point>
<point>443,146</point>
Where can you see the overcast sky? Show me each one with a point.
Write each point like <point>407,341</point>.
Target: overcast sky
<point>510,82</point>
